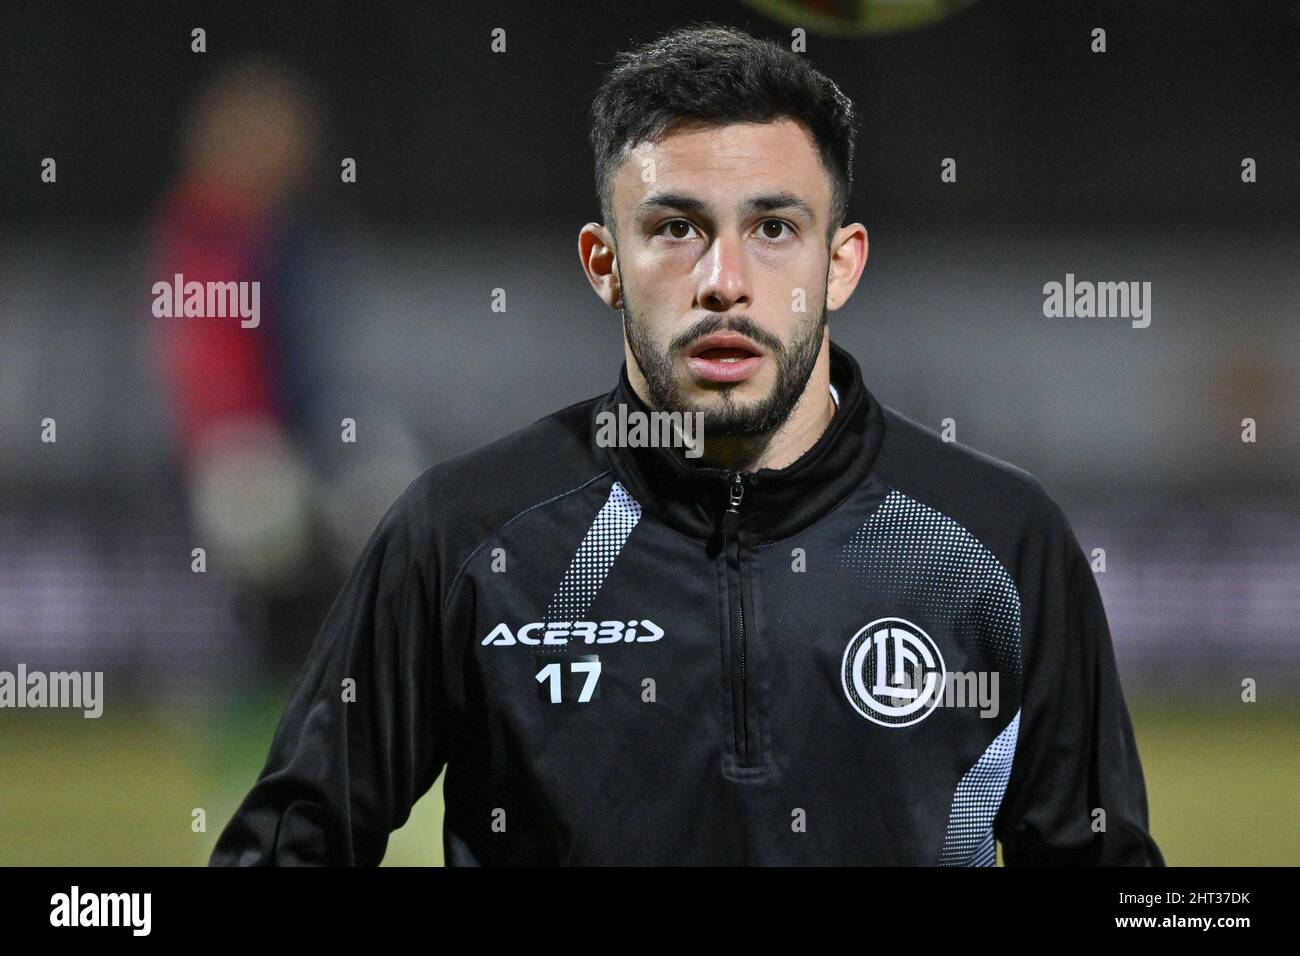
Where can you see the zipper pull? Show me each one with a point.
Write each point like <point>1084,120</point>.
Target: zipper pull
<point>731,517</point>
<point>737,492</point>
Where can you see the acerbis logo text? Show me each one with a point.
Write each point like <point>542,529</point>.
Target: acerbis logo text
<point>561,632</point>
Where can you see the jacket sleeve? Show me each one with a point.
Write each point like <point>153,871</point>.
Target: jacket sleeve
<point>1076,795</point>
<point>362,737</point>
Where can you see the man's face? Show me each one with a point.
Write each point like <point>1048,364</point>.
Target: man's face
<point>722,259</point>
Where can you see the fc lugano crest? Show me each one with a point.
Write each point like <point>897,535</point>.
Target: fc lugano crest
<point>893,673</point>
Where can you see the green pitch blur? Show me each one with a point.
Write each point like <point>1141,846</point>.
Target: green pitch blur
<point>124,789</point>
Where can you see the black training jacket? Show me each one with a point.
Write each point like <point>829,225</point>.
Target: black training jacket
<point>621,657</point>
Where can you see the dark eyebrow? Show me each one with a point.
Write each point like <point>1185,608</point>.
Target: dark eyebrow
<point>775,201</point>
<point>669,201</point>
<point>765,203</point>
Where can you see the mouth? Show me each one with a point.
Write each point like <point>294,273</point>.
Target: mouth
<point>724,357</point>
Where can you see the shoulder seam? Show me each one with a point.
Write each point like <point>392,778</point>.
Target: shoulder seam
<point>511,520</point>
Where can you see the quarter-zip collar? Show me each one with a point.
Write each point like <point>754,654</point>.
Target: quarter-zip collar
<point>777,501</point>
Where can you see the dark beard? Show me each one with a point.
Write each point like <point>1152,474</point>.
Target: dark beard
<point>794,366</point>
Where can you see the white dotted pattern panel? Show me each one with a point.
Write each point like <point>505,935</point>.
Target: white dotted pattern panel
<point>969,840</point>
<point>602,544</point>
<point>911,553</point>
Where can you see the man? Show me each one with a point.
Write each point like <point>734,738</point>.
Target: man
<point>821,636</point>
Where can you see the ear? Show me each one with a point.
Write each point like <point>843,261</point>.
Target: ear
<point>600,263</point>
<point>848,257</point>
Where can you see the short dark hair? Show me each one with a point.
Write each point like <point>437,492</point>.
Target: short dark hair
<point>718,75</point>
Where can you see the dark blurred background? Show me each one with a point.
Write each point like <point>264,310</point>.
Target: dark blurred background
<point>473,173</point>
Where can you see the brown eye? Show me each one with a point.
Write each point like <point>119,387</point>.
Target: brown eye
<point>773,229</point>
<point>679,229</point>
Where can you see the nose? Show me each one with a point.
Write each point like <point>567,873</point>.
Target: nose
<point>724,283</point>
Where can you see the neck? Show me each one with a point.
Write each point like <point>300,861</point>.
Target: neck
<point>777,449</point>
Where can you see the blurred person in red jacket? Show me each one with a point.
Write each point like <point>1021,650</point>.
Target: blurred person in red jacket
<point>239,389</point>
